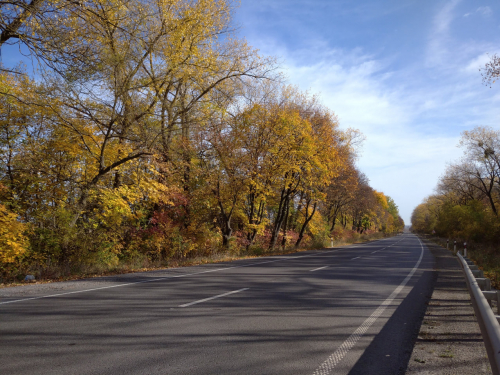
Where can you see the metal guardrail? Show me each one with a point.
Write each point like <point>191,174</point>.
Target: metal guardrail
<point>481,295</point>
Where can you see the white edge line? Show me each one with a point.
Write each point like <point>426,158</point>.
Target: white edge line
<point>331,362</point>
<point>214,297</point>
<point>320,268</point>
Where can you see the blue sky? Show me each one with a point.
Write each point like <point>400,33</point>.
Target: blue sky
<point>405,73</point>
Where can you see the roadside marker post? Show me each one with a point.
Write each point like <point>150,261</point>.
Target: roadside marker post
<point>331,241</point>
<point>447,243</point>
<point>454,247</point>
<point>465,249</point>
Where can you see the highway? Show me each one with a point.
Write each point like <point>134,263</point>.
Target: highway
<point>349,310</point>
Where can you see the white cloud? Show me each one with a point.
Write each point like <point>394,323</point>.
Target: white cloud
<point>484,11</point>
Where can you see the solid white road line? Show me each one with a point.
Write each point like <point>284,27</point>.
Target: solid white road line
<point>317,269</point>
<point>214,297</point>
<point>327,367</point>
<point>355,258</point>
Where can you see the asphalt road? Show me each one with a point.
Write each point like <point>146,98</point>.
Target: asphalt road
<point>351,310</point>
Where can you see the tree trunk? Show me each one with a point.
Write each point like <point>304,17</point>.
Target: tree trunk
<point>306,221</point>
<point>334,217</point>
<point>283,241</point>
<point>226,229</point>
<point>257,221</point>
<point>186,162</point>
<point>280,215</point>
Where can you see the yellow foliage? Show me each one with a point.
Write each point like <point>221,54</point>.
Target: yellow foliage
<point>382,199</point>
<point>317,223</point>
<point>13,242</point>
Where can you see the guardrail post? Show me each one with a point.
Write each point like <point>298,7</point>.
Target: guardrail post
<point>484,284</point>
<point>478,274</point>
<point>491,295</point>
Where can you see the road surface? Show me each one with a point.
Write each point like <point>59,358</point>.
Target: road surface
<point>350,310</point>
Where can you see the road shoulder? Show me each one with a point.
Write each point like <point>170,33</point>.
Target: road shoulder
<point>449,341</point>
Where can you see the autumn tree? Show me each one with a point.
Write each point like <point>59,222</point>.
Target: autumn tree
<point>151,132</point>
<point>157,64</point>
<point>340,193</point>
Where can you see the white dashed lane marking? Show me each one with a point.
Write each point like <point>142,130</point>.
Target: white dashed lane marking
<point>317,269</point>
<point>214,297</point>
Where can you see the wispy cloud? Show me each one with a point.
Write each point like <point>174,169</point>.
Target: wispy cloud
<point>439,34</point>
<point>477,63</point>
<point>484,11</point>
<point>444,17</point>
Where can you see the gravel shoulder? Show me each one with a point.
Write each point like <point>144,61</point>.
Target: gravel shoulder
<point>449,341</point>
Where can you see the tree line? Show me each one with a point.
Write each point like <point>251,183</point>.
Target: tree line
<point>150,132</point>
<point>467,197</point>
